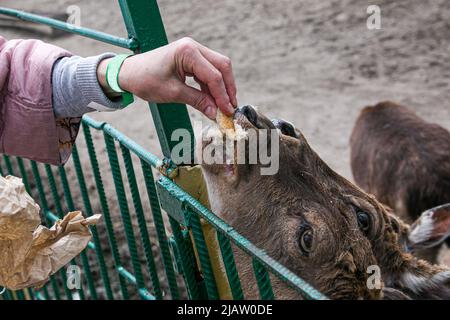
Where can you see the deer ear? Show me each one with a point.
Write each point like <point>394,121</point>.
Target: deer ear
<point>431,228</point>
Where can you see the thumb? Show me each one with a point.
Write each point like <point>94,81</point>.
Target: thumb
<point>201,101</point>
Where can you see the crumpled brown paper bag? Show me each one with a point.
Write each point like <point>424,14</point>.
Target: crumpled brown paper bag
<point>31,253</point>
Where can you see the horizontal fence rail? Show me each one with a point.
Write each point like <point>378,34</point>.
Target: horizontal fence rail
<point>131,43</point>
<point>159,259</point>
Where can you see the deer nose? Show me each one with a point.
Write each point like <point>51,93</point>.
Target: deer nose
<point>285,127</point>
<point>250,113</point>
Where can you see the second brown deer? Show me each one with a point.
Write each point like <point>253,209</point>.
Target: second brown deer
<point>405,162</point>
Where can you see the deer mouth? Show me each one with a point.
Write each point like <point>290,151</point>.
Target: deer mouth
<point>244,118</point>
<point>225,152</point>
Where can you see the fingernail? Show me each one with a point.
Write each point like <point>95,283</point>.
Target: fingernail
<point>230,108</point>
<point>210,112</point>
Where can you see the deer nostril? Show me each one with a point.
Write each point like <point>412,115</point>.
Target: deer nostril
<point>285,127</point>
<point>249,113</point>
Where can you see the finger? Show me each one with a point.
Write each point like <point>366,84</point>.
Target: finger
<point>203,87</point>
<point>212,78</point>
<point>223,64</point>
<point>201,101</point>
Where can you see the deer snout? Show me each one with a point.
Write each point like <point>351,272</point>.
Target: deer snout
<point>248,112</point>
<point>248,115</point>
<point>286,127</point>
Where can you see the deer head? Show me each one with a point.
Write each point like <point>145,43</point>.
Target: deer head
<point>312,220</point>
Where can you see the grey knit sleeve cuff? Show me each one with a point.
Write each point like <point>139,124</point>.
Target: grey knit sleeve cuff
<point>76,89</point>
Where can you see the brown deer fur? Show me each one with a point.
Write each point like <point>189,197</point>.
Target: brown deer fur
<point>403,160</point>
<point>273,210</point>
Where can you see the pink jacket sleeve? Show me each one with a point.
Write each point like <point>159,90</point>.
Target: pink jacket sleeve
<point>28,127</point>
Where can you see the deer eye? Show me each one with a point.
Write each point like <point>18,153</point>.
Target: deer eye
<point>363,220</point>
<point>306,240</point>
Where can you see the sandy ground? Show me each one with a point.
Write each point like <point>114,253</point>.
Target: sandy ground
<point>311,62</point>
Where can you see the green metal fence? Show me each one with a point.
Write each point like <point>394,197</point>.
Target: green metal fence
<point>167,269</point>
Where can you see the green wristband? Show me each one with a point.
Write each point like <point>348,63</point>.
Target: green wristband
<point>112,77</point>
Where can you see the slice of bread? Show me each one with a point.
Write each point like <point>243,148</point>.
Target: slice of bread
<point>226,124</point>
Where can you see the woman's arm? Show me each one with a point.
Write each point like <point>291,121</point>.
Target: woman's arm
<point>76,89</point>
<point>28,126</point>
<point>44,91</point>
<point>80,86</point>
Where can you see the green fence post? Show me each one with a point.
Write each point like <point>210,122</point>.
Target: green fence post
<point>143,22</point>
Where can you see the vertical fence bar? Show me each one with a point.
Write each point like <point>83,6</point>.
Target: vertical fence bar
<point>7,294</point>
<point>105,208</point>
<point>39,186</point>
<point>53,190</point>
<point>30,294</point>
<point>8,164</point>
<point>59,211</point>
<point>124,210</point>
<point>45,208</point>
<point>66,188</point>
<point>20,295</point>
<point>141,221</point>
<point>23,173</point>
<point>187,260</point>
<point>87,206</point>
<point>230,266</point>
<point>46,293</point>
<point>160,229</point>
<point>70,206</point>
<point>84,258</point>
<point>263,280</point>
<point>203,256</point>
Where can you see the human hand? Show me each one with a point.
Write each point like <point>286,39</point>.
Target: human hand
<point>160,75</point>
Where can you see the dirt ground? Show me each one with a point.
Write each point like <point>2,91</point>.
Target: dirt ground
<point>311,62</point>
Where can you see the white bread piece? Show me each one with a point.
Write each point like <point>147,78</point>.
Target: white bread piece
<point>226,124</point>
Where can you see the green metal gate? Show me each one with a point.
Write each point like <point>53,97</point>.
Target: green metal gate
<point>167,269</point>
